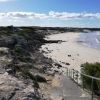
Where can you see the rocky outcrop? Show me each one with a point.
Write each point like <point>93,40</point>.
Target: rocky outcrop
<point>21,64</point>
<point>13,89</point>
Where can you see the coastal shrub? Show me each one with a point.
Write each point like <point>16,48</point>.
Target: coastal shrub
<point>6,30</point>
<point>18,49</point>
<point>26,74</point>
<point>24,59</point>
<point>92,70</point>
<point>2,52</point>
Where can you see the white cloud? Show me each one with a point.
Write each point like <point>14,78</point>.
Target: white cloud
<point>68,15</point>
<point>50,15</point>
<point>16,15</point>
<point>65,15</point>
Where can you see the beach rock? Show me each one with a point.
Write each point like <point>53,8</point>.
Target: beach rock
<point>9,71</point>
<point>69,55</point>
<point>59,66</point>
<point>67,63</point>
<point>39,78</point>
<point>56,71</point>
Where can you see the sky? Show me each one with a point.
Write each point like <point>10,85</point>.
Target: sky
<point>62,13</point>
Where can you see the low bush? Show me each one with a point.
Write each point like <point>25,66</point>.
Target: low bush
<point>92,70</point>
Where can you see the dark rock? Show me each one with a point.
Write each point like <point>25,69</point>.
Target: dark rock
<point>9,71</point>
<point>67,63</point>
<point>36,86</point>
<point>39,78</point>
<point>56,71</point>
<point>56,64</point>
<point>69,55</point>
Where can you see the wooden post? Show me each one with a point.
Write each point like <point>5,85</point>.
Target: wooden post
<point>82,81</point>
<point>67,71</point>
<point>73,74</point>
<point>92,89</point>
<point>77,76</point>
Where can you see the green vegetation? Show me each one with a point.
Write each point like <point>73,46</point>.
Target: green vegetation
<point>2,52</point>
<point>18,49</point>
<point>92,70</point>
<point>22,43</point>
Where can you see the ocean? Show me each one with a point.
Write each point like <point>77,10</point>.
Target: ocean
<point>91,39</point>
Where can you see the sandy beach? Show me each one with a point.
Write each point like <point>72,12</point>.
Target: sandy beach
<point>70,53</point>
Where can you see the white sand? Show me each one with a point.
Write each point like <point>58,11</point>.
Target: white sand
<point>79,54</point>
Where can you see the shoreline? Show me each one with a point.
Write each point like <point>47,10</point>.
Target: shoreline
<point>90,40</point>
<point>74,57</point>
<point>24,67</point>
<point>79,53</point>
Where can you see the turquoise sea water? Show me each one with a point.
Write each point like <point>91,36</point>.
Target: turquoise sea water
<point>91,39</point>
